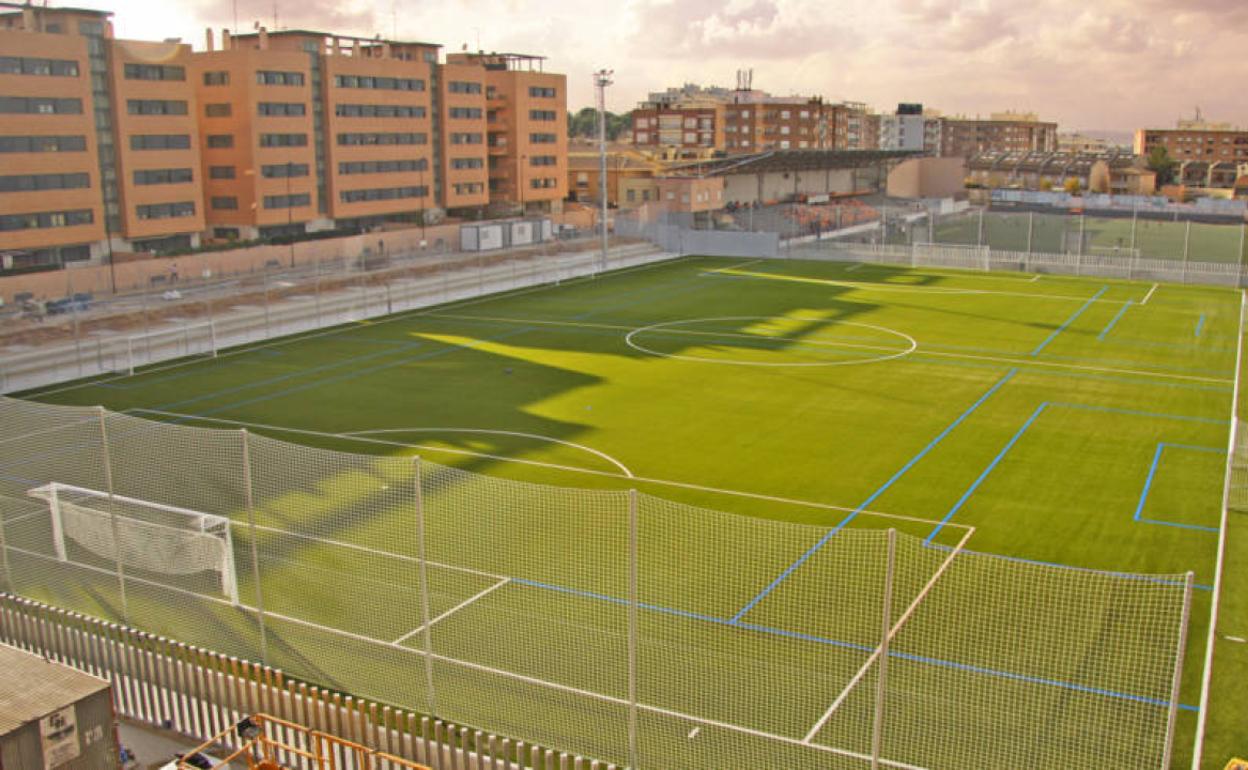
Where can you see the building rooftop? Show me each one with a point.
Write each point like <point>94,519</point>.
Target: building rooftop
<point>46,686</point>
<point>335,35</point>
<point>52,9</point>
<point>791,160</point>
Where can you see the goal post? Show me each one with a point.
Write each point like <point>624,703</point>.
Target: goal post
<point>195,339</point>
<point>156,538</point>
<point>969,256</point>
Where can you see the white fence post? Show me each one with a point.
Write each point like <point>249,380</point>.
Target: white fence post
<point>1173,714</point>
<point>255,550</point>
<point>881,682</point>
<point>112,512</point>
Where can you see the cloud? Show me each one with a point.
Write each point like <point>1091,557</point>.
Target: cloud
<point>737,29</point>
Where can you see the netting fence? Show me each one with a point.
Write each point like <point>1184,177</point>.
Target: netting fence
<point>613,624</point>
<point>119,335</point>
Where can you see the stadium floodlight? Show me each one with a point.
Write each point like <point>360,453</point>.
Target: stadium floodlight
<point>602,79</point>
<point>153,537</point>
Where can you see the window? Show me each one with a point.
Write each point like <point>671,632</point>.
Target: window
<point>284,170</point>
<point>32,182</point>
<point>46,219</point>
<point>220,172</point>
<point>218,110</point>
<point>382,83</point>
<point>156,107</point>
<point>23,65</point>
<point>542,115</point>
<point>43,143</point>
<point>468,188</point>
<point>379,111</point>
<point>463,163</point>
<point>388,138</point>
<point>40,105</point>
<point>220,78</point>
<point>220,141</point>
<point>283,140</point>
<point>543,138</point>
<point>287,201</point>
<point>383,194</point>
<point>282,109</point>
<point>225,202</point>
<point>165,210</point>
<point>543,183</point>
<point>632,195</point>
<point>540,92</point>
<point>382,166</point>
<point>154,72</point>
<point>467,138</point>
<point>463,87</point>
<point>466,113</point>
<point>276,78</point>
<point>543,160</point>
<point>163,176</point>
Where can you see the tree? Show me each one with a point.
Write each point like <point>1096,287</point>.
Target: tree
<point>1159,161</point>
<point>1072,186</point>
<point>584,123</point>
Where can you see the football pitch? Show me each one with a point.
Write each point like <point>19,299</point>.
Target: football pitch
<point>1059,233</point>
<point>1069,421</point>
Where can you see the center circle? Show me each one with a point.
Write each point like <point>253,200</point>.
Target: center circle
<point>887,354</point>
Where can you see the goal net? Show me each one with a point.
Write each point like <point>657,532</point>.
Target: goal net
<point>173,545</point>
<point>199,339</point>
<point>967,256</point>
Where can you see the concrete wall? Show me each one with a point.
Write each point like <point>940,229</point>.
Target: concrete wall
<point>928,178</point>
<point>777,186</point>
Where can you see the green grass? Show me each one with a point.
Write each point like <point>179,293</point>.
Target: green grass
<point>1026,411</point>
<point>1055,233</point>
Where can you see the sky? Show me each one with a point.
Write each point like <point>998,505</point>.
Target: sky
<point>1088,64</point>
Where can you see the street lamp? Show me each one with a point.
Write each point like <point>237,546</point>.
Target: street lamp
<point>602,79</point>
<point>290,213</point>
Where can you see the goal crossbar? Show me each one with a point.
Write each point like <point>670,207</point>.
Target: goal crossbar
<point>62,498</point>
<point>205,331</point>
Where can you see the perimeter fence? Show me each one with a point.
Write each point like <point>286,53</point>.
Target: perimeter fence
<point>611,624</point>
<point>94,338</point>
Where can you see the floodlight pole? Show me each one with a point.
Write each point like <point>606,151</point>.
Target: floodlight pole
<point>602,79</point>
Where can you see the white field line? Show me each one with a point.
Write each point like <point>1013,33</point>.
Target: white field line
<point>854,267</point>
<point>921,351</point>
<point>1149,296</point>
<point>588,471</point>
<point>1034,278</point>
<point>938,290</point>
<point>500,672</point>
<point>1219,566</point>
<point>623,468</point>
<point>452,611</point>
<point>93,417</point>
<point>879,650</point>
<point>737,266</point>
<point>1236,639</point>
<point>376,552</point>
<point>340,328</point>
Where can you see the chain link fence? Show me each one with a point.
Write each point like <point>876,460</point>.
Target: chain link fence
<point>611,624</point>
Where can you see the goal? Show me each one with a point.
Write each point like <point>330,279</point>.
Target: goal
<point>176,545</point>
<point>198,339</point>
<point>969,256</point>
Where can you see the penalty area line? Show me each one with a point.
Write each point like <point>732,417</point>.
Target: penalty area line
<point>452,611</point>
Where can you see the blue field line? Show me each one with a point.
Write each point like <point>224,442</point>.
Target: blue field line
<point>1031,420</point>
<point>1148,484</point>
<point>769,630</point>
<point>873,496</point>
<point>1069,321</point>
<point>1137,413</point>
<point>289,375</point>
<point>1113,321</point>
<point>991,466</point>
<point>1200,324</point>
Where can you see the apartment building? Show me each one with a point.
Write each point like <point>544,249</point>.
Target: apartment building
<point>527,131</point>
<point>1002,132</point>
<point>105,125</point>
<point>1195,141</point>
<point>910,128</point>
<point>465,157</point>
<point>685,125</point>
<point>756,123</point>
